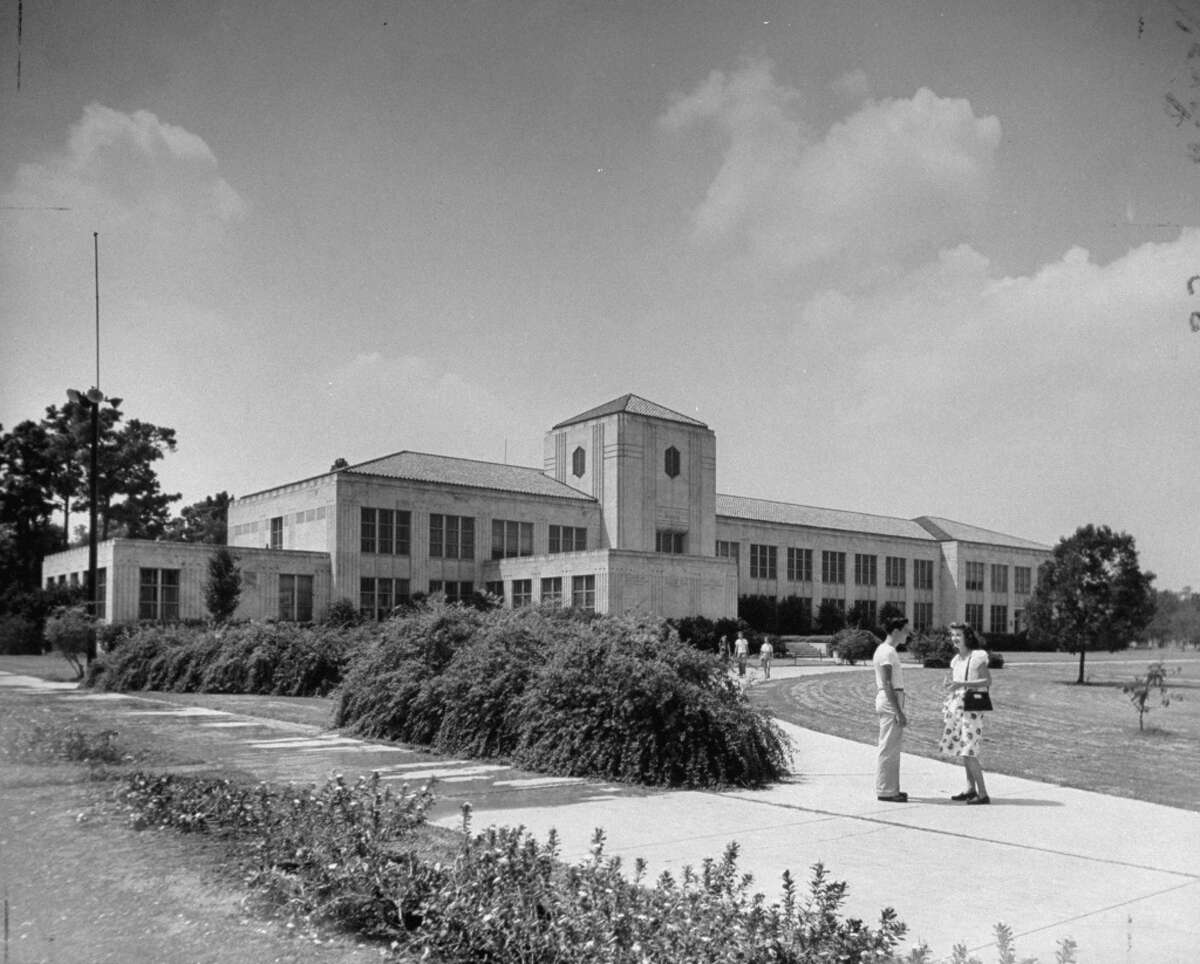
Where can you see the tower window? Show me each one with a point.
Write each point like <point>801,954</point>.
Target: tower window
<point>578,462</point>
<point>671,462</point>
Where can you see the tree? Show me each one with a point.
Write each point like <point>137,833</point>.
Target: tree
<point>27,504</point>
<point>205,521</point>
<point>224,585</point>
<point>1139,690</point>
<point>830,617</point>
<point>1091,593</point>
<point>339,464</point>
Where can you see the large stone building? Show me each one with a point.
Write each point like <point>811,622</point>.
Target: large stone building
<point>623,516</point>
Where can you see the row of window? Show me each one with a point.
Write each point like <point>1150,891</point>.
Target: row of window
<point>379,596</point>
<point>975,573</point>
<point>77,580</point>
<point>764,565</point>
<point>158,596</point>
<point>671,462</point>
<point>388,532</point>
<point>998,622</point>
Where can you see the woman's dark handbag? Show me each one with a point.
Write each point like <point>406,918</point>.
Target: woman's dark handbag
<point>976,701</point>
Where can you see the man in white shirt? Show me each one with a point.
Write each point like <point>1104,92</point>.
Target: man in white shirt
<point>889,708</point>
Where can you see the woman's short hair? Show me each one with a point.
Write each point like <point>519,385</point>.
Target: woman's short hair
<point>970,637</point>
<point>892,623</point>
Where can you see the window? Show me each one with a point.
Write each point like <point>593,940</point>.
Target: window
<point>865,573</point>
<point>295,598</point>
<point>671,462</point>
<point>568,539</point>
<point>799,565</point>
<point>999,621</point>
<point>922,615</point>
<point>895,571</point>
<point>386,531</point>
<point>378,597</point>
<point>75,580</point>
<point>101,593</point>
<point>276,533</point>
<point>839,604</point>
<point>455,591</point>
<point>511,539</point>
<point>158,594</point>
<point>522,592</point>
<point>552,591</point>
<point>1022,580</point>
<point>975,577</point>
<point>762,562</point>
<point>727,550</point>
<point>974,615</point>
<point>833,567</point>
<point>1018,617</point>
<point>922,573</point>
<point>495,588</point>
<point>583,593</point>
<point>666,540</point>
<point>999,579</point>
<point>578,462</point>
<point>451,537</point>
<point>866,610</point>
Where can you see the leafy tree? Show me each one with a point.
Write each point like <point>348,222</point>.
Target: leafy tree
<point>205,521</point>
<point>68,632</point>
<point>795,615</point>
<point>830,618</point>
<point>1176,618</point>
<point>27,504</point>
<point>1091,593</point>
<point>1139,690</point>
<point>224,585</point>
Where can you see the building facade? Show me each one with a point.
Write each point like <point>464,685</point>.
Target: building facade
<point>623,516</point>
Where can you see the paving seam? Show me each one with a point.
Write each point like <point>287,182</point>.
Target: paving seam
<point>1190,877</point>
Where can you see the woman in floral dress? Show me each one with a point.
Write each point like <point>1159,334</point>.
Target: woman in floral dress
<point>963,732</point>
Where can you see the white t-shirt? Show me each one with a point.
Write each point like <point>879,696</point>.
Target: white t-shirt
<point>886,655</point>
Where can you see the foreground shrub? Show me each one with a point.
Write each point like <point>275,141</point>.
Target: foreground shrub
<point>67,632</point>
<point>617,698</point>
<point>854,645</point>
<point>932,648</point>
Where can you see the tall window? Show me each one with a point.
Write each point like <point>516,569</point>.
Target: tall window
<point>578,462</point>
<point>671,461</point>
<point>999,619</point>
<point>763,560</point>
<point>866,610</point>
<point>277,532</point>
<point>667,540</point>
<point>451,537</point>
<point>495,587</point>
<point>922,573</point>
<point>511,539</point>
<point>1022,580</point>
<point>552,593</point>
<point>101,593</point>
<point>975,577</point>
<point>999,579</point>
<point>385,531</point>
<point>727,550</point>
<point>865,573</point>
<point>158,594</point>
<point>974,615</point>
<point>295,598</point>
<point>378,597</point>
<point>522,592</point>
<point>833,567</point>
<point>583,593</point>
<point>839,604</point>
<point>799,565</point>
<point>922,616</point>
<point>455,591</point>
<point>895,570</point>
<point>568,539</point>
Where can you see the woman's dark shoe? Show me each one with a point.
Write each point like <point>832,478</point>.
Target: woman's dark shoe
<point>976,800</point>
<point>965,795</point>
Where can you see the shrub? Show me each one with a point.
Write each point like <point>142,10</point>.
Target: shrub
<point>68,633</point>
<point>19,635</point>
<point>618,698</point>
<point>854,645</point>
<point>342,612</point>
<point>223,587</point>
<point>995,660</point>
<point>38,736</point>
<point>933,648</point>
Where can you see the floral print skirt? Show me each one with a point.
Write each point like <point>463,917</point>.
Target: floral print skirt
<point>962,732</point>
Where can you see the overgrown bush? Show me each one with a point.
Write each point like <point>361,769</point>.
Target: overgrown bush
<point>932,648</point>
<point>19,635</point>
<point>280,659</point>
<point>617,698</point>
<point>854,645</point>
<point>68,632</point>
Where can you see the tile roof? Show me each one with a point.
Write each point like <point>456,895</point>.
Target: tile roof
<point>948,529</point>
<point>635,405</point>
<point>764,510</point>
<point>421,467</point>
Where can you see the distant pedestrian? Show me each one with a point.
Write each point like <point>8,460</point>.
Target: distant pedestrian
<point>765,654</point>
<point>889,708</point>
<point>724,649</point>
<point>963,731</point>
<point>741,652</point>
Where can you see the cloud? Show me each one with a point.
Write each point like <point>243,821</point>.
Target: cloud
<point>897,178</point>
<point>132,167</point>
<point>853,85</point>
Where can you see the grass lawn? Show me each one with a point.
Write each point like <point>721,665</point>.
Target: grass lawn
<point>1045,727</point>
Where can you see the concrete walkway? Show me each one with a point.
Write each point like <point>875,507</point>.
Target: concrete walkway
<point>1119,877</point>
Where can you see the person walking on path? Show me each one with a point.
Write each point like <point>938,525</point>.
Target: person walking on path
<point>963,731</point>
<point>889,708</point>
<point>741,651</point>
<point>723,649</point>
<point>765,654</point>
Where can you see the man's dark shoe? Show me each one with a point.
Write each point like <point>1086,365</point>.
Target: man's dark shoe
<point>979,800</point>
<point>965,795</point>
<point>900,797</point>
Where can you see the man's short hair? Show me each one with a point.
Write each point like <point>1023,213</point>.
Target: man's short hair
<point>895,622</point>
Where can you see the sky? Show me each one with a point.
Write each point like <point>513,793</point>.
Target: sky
<point>902,257</point>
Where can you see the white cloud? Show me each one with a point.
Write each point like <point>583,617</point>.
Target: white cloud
<point>853,85</point>
<point>897,176</point>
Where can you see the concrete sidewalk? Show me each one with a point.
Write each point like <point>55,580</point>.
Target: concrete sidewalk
<point>1120,877</point>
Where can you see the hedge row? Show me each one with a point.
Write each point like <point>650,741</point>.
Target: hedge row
<point>613,697</point>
